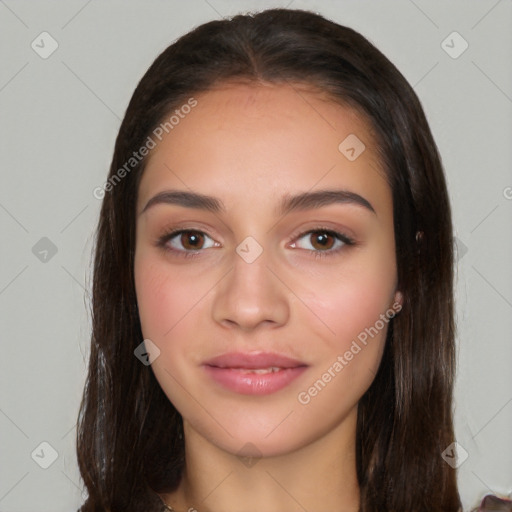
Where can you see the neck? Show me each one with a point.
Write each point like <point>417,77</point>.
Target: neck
<point>318,476</point>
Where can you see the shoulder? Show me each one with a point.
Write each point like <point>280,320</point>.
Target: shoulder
<point>495,504</point>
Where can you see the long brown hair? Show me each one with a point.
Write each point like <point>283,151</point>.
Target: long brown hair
<point>129,438</point>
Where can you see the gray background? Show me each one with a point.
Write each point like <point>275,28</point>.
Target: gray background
<point>59,119</point>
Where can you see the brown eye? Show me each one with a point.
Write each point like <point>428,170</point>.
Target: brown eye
<point>191,240</point>
<point>186,242</point>
<point>322,240</point>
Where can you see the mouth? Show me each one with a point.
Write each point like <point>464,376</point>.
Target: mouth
<point>253,374</point>
<point>259,371</point>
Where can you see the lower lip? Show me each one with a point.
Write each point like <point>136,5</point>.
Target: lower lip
<point>253,383</point>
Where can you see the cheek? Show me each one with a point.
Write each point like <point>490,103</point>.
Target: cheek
<point>163,297</point>
<point>358,312</point>
<point>351,303</point>
<point>169,303</point>
<point>154,310</point>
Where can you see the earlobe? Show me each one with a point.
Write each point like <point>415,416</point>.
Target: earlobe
<point>399,298</point>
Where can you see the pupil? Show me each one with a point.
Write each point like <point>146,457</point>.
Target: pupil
<point>322,239</point>
<point>192,239</point>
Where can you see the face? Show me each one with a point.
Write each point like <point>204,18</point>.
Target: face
<point>270,313</point>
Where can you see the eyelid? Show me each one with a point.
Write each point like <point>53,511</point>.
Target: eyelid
<point>345,235</point>
<point>164,239</point>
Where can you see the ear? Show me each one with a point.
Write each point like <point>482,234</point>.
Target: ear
<point>399,298</point>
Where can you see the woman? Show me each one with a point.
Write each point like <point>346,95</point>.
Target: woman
<point>272,299</point>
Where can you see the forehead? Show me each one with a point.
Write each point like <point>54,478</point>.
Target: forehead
<point>264,139</point>
<point>302,108</point>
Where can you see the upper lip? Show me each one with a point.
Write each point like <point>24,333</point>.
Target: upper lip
<point>253,361</point>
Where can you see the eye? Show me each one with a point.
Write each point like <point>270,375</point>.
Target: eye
<point>322,241</point>
<point>189,242</point>
<point>189,239</point>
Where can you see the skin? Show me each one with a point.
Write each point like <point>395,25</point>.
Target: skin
<point>249,145</point>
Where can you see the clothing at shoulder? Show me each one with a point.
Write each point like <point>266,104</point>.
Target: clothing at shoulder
<point>494,504</point>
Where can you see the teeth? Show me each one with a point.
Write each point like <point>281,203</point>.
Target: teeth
<point>272,369</point>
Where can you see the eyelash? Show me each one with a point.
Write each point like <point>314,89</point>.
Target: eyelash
<point>347,241</point>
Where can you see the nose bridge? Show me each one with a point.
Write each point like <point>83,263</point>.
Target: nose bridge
<point>251,293</point>
<point>250,267</point>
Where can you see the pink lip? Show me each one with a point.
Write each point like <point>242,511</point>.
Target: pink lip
<point>228,370</point>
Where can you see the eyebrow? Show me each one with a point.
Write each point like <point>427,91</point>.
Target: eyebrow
<point>289,203</point>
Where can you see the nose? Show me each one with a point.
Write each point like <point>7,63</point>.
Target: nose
<point>251,294</point>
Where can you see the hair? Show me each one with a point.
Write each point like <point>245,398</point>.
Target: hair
<point>129,438</point>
